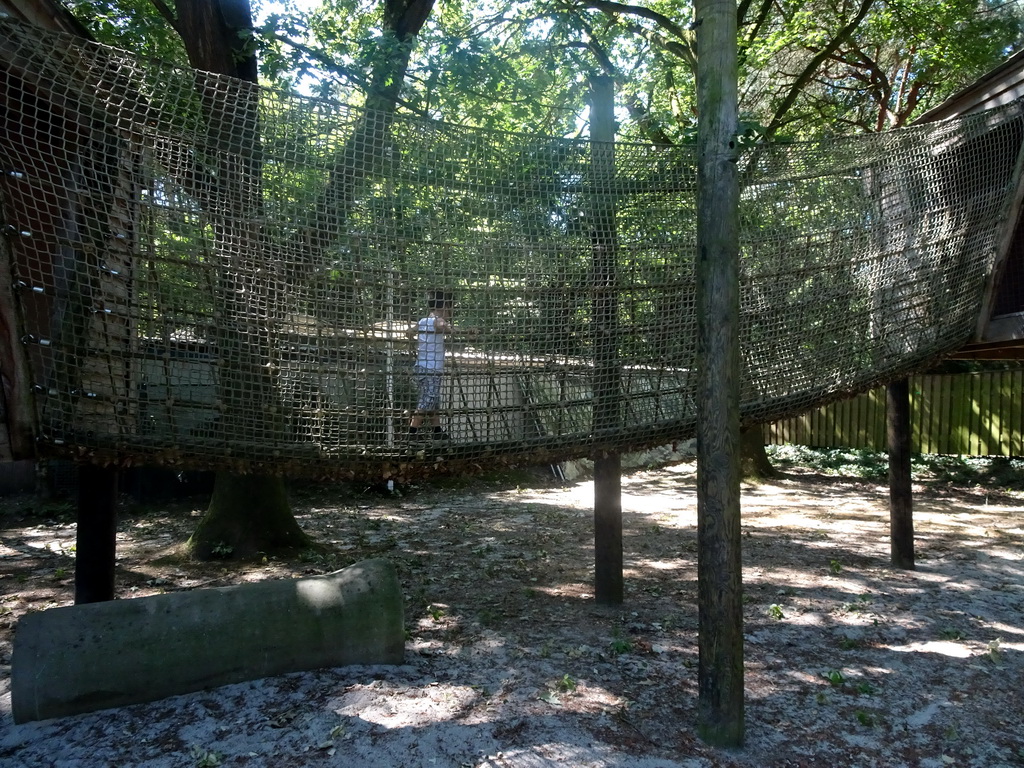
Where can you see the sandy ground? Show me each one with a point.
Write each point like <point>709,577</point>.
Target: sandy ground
<point>510,664</point>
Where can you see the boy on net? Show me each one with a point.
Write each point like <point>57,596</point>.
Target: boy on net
<point>430,333</point>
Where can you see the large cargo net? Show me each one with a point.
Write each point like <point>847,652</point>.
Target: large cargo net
<point>210,274</point>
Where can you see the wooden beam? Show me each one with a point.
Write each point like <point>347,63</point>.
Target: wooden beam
<point>16,383</point>
<point>608,579</point>
<point>609,583</point>
<point>720,716</point>
<point>96,540</point>
<point>996,352</point>
<point>901,508</point>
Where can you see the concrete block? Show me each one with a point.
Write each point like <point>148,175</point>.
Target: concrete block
<point>83,658</point>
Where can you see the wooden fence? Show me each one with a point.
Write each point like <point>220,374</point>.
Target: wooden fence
<point>974,414</point>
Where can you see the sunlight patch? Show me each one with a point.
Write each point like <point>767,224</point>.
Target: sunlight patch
<point>998,626</point>
<point>941,647</point>
<point>395,708</point>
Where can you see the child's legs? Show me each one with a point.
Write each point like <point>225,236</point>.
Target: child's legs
<point>429,402</point>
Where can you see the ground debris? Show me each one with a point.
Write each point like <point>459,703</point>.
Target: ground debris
<point>509,663</point>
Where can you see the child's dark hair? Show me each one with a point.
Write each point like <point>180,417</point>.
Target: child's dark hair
<point>439,299</point>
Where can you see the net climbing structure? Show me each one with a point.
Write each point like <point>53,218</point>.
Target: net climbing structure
<point>200,272</point>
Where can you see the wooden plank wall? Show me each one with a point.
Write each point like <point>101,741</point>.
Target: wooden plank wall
<point>972,414</point>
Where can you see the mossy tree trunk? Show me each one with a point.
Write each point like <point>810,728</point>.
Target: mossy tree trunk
<point>248,515</point>
<point>754,459</point>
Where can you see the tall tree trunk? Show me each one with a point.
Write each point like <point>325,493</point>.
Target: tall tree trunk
<point>247,514</point>
<point>217,34</point>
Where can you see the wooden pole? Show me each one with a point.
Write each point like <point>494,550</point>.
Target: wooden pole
<point>901,511</point>
<point>608,580</point>
<point>95,545</point>
<point>720,716</point>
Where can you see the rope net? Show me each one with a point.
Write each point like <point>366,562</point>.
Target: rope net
<point>211,274</point>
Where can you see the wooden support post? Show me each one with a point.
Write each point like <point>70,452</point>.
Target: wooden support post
<point>95,546</point>
<point>901,512</point>
<point>720,715</point>
<point>608,581</point>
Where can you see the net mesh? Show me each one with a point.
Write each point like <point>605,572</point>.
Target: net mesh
<point>211,274</point>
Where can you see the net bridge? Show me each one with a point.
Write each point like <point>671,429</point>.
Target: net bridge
<point>201,273</point>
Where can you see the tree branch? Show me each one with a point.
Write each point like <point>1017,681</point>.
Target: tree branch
<point>168,15</point>
<point>812,67</point>
<point>759,20</point>
<point>318,56</point>
<point>615,9</point>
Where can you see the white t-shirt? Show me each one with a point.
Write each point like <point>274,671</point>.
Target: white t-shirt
<point>429,344</point>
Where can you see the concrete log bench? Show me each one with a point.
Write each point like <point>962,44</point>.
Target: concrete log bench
<point>83,658</point>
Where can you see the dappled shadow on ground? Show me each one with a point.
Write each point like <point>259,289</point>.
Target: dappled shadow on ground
<point>510,662</point>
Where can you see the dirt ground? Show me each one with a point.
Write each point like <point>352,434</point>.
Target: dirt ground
<point>510,663</point>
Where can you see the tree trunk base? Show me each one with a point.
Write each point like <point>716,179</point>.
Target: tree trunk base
<point>754,459</point>
<point>248,515</point>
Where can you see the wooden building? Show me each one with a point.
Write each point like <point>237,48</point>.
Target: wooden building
<point>1001,325</point>
<point>16,423</point>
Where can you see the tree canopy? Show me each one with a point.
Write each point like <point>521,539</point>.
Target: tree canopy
<point>807,67</point>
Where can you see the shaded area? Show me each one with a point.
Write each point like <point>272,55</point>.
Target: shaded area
<point>510,663</point>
